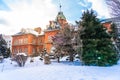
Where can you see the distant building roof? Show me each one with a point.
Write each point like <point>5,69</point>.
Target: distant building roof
<point>114,19</point>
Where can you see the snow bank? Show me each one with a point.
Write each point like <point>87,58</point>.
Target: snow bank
<point>57,71</point>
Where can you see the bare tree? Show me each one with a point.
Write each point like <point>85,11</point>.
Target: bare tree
<point>114,6</point>
<point>80,32</point>
<point>58,44</point>
<point>20,58</point>
<point>63,42</point>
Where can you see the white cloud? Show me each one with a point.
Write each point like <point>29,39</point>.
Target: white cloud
<point>101,8</point>
<point>84,3</point>
<point>27,14</point>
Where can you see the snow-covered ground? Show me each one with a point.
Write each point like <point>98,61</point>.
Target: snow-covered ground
<point>64,70</point>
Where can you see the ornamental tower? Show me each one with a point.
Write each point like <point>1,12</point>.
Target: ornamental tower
<point>60,18</point>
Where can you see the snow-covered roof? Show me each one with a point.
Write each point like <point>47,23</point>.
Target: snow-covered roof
<point>42,33</point>
<point>26,31</point>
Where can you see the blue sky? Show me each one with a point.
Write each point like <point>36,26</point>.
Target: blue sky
<point>3,6</point>
<point>17,14</point>
<point>73,9</point>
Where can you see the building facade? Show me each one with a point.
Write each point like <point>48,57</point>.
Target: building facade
<point>34,41</point>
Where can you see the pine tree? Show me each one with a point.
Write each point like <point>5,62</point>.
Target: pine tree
<point>115,38</point>
<point>8,53</point>
<point>97,45</point>
<point>3,46</point>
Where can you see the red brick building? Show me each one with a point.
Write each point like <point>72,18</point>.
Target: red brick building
<point>34,41</point>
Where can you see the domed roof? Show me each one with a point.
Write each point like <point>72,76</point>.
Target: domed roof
<point>60,16</point>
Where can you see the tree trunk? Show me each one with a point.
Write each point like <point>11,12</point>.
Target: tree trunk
<point>71,57</point>
<point>58,59</point>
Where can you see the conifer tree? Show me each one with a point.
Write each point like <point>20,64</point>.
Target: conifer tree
<point>97,45</point>
<point>3,46</point>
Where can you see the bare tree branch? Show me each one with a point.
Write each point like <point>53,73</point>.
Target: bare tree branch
<point>114,6</point>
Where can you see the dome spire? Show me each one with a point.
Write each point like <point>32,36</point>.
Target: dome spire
<point>60,13</point>
<point>60,5</point>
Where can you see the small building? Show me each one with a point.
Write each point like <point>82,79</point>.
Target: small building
<point>115,20</point>
<point>107,23</point>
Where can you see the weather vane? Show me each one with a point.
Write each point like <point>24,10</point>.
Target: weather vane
<point>60,5</point>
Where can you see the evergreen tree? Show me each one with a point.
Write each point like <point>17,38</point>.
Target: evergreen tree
<point>115,38</point>
<point>113,33</point>
<point>3,46</point>
<point>97,45</point>
<point>8,53</point>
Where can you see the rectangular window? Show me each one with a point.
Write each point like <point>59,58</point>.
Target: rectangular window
<point>26,50</point>
<point>34,41</point>
<point>25,40</point>
<point>16,42</point>
<point>49,38</point>
<point>33,50</point>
